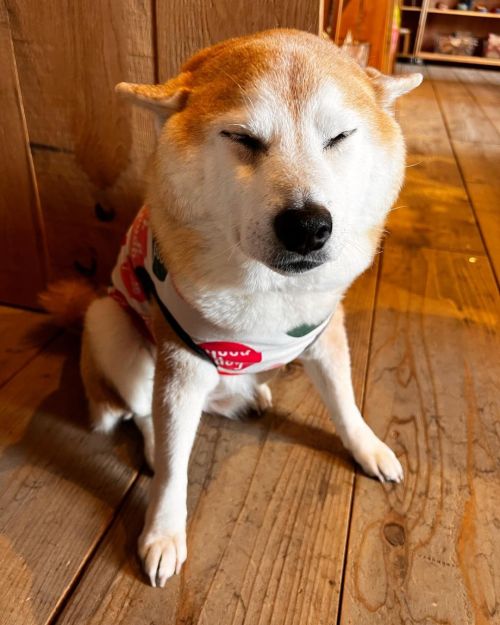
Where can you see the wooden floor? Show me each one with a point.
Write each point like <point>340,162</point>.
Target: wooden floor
<point>283,528</point>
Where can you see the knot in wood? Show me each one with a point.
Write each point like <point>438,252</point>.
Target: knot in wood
<point>394,534</point>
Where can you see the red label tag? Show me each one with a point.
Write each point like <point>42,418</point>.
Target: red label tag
<point>132,284</point>
<point>231,356</point>
<point>138,244</point>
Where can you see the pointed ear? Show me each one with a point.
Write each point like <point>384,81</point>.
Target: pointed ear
<point>164,99</point>
<point>389,88</point>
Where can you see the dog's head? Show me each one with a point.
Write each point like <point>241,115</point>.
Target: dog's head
<point>279,145</point>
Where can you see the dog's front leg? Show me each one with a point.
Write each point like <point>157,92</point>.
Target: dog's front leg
<point>182,383</point>
<point>328,364</point>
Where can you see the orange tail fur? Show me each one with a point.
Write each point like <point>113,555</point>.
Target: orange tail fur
<point>67,301</point>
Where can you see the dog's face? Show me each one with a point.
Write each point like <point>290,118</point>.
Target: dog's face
<point>280,146</point>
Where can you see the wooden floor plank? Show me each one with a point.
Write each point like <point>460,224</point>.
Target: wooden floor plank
<point>433,208</point>
<point>483,91</point>
<point>480,165</point>
<point>59,485</point>
<point>465,119</point>
<point>22,335</point>
<point>269,505</point>
<point>428,551</point>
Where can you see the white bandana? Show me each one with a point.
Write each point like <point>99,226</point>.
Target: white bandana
<point>230,353</point>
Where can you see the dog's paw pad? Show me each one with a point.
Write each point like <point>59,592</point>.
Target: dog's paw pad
<point>162,556</point>
<point>379,460</point>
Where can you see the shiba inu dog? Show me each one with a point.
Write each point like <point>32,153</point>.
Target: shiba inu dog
<point>278,159</point>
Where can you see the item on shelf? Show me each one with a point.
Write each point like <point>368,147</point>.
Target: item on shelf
<point>463,6</point>
<point>358,50</point>
<point>442,6</point>
<point>458,44</point>
<point>492,46</point>
<point>404,36</point>
<point>481,8</point>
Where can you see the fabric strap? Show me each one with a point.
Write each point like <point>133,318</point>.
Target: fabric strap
<point>150,290</point>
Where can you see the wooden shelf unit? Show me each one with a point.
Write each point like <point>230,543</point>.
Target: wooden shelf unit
<point>426,21</point>
<point>475,60</point>
<point>466,13</point>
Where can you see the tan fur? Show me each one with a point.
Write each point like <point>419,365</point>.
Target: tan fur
<point>67,301</point>
<point>211,74</point>
<point>100,393</point>
<point>181,258</point>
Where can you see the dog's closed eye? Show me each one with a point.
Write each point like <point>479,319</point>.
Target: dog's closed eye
<point>334,141</point>
<point>252,144</point>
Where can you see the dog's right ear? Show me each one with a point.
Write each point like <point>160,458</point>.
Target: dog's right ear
<point>164,99</point>
<point>389,88</point>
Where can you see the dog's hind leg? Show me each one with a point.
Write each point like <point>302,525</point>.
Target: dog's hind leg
<point>145,425</point>
<point>117,366</point>
<point>106,407</point>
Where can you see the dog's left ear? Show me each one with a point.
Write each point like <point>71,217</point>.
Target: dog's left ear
<point>164,99</point>
<point>389,88</point>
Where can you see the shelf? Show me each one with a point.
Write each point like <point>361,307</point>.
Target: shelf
<point>465,13</point>
<point>428,25</point>
<point>455,58</point>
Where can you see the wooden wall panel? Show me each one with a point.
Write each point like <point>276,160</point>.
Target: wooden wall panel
<point>185,27</point>
<point>88,147</point>
<point>23,272</point>
<point>367,21</point>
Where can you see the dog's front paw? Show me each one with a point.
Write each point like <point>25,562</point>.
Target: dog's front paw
<point>376,457</point>
<point>162,555</point>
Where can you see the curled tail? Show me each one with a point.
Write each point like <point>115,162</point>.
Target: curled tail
<point>67,301</point>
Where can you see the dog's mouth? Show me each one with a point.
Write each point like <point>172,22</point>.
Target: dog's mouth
<point>294,265</point>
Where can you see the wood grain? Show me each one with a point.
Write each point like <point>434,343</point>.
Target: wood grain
<point>184,28</point>
<point>89,148</point>
<point>21,234</point>
<point>465,120</point>
<point>433,208</point>
<point>484,91</point>
<point>23,334</point>
<point>427,551</point>
<point>268,506</point>
<point>59,485</point>
<point>480,164</point>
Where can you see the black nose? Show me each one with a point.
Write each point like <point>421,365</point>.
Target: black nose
<point>305,229</point>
